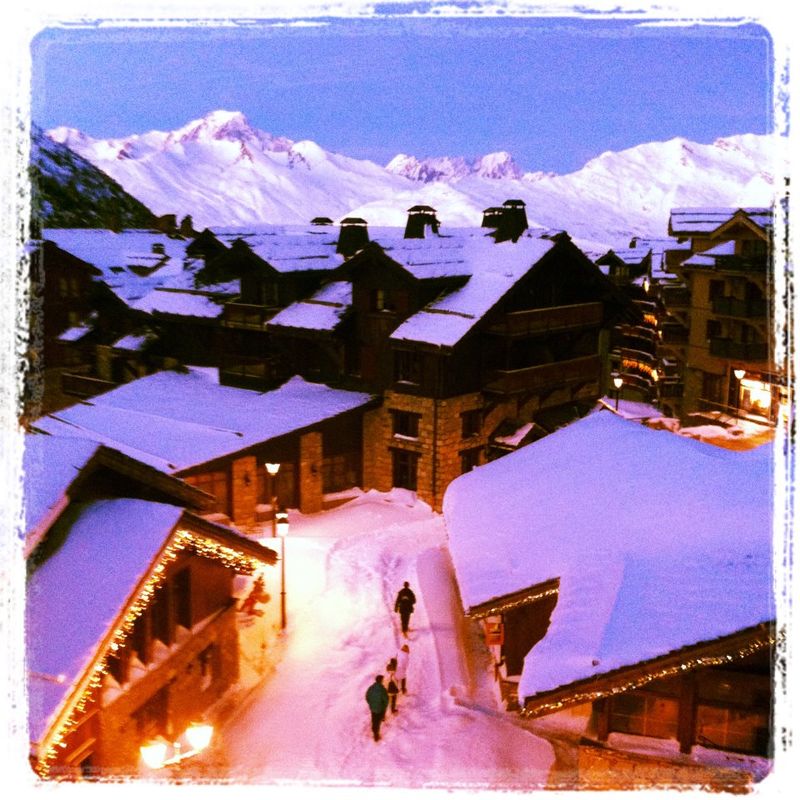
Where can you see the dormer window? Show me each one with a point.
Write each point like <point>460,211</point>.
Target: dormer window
<point>407,367</point>
<point>381,301</point>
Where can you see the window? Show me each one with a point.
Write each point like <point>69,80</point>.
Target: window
<point>404,469</point>
<point>404,423</point>
<point>340,472</point>
<point>713,329</point>
<point>471,422</point>
<point>162,618</point>
<point>381,300</point>
<point>645,715</point>
<point>470,459</point>
<point>716,289</point>
<point>407,366</point>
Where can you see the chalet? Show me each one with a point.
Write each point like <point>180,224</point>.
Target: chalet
<point>719,331</point>
<point>130,615</point>
<point>218,438</point>
<point>605,602</point>
<point>460,334</point>
<point>274,269</point>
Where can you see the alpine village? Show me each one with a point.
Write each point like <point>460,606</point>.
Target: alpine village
<point>593,434</point>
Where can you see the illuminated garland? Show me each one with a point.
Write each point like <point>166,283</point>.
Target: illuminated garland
<point>667,672</point>
<point>520,601</point>
<point>182,540</point>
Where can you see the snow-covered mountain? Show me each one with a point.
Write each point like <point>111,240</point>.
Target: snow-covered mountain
<point>68,191</point>
<point>223,171</point>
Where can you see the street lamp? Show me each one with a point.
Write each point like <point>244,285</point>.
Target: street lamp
<point>282,526</point>
<point>738,374</point>
<point>157,753</point>
<point>617,385</point>
<point>272,471</point>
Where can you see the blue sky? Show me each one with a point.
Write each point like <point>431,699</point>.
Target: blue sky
<point>554,93</point>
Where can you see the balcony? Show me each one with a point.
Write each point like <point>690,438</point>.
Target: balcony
<point>672,333</point>
<point>733,307</point>
<point>543,320</point>
<point>676,298</point>
<point>545,376</point>
<point>741,351</point>
<point>670,389</point>
<point>244,315</point>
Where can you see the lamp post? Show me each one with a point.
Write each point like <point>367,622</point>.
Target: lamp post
<point>282,526</point>
<point>272,471</point>
<point>617,378</point>
<point>738,374</point>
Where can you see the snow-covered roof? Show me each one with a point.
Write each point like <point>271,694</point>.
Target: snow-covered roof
<point>704,220</point>
<point>632,255</point>
<point>178,303</point>
<point>709,257</point>
<point>174,421</point>
<point>493,269</point>
<point>97,573</point>
<point>321,312</point>
<point>658,542</point>
<point>50,464</point>
<point>105,249</point>
<point>131,342</point>
<point>74,334</point>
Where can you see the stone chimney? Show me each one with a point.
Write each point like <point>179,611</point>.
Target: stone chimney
<point>353,236</point>
<point>513,221</point>
<point>419,218</point>
<point>492,217</point>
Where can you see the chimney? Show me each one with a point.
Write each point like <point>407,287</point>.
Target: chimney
<point>353,236</point>
<point>492,217</point>
<point>513,221</point>
<point>322,221</point>
<point>420,217</point>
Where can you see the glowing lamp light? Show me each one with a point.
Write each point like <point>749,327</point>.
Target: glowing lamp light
<point>199,735</point>
<point>282,523</point>
<point>154,752</point>
<point>738,374</point>
<point>618,381</point>
<point>272,469</point>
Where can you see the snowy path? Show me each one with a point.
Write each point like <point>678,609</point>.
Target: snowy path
<point>309,722</point>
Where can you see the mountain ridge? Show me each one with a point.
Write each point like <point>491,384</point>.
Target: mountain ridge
<point>224,172</point>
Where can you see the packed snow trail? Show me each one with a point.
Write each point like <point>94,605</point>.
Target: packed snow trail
<point>308,721</point>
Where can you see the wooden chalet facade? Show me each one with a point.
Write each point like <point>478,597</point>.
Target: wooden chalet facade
<point>131,615</point>
<point>541,345</point>
<point>720,319</point>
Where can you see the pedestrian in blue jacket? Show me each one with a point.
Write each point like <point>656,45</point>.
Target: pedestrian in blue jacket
<point>377,700</point>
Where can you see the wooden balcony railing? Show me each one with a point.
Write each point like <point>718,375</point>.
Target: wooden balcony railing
<point>543,320</point>
<point>743,351</point>
<point>244,315</point>
<point>733,307</point>
<point>673,297</point>
<point>545,376</point>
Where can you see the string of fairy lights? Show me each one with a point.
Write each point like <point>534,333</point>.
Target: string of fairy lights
<point>182,540</point>
<point>531,597</point>
<point>575,698</point>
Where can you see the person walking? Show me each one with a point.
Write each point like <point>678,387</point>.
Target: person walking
<point>377,700</point>
<point>402,668</point>
<point>404,605</point>
<point>392,688</point>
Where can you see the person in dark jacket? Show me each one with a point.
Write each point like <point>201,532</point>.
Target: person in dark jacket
<point>404,605</point>
<point>377,700</point>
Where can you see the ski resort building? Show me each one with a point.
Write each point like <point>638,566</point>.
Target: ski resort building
<point>603,600</point>
<point>130,618</point>
<point>720,325</point>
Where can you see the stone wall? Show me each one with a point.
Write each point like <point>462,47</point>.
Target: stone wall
<point>311,472</point>
<point>244,491</point>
